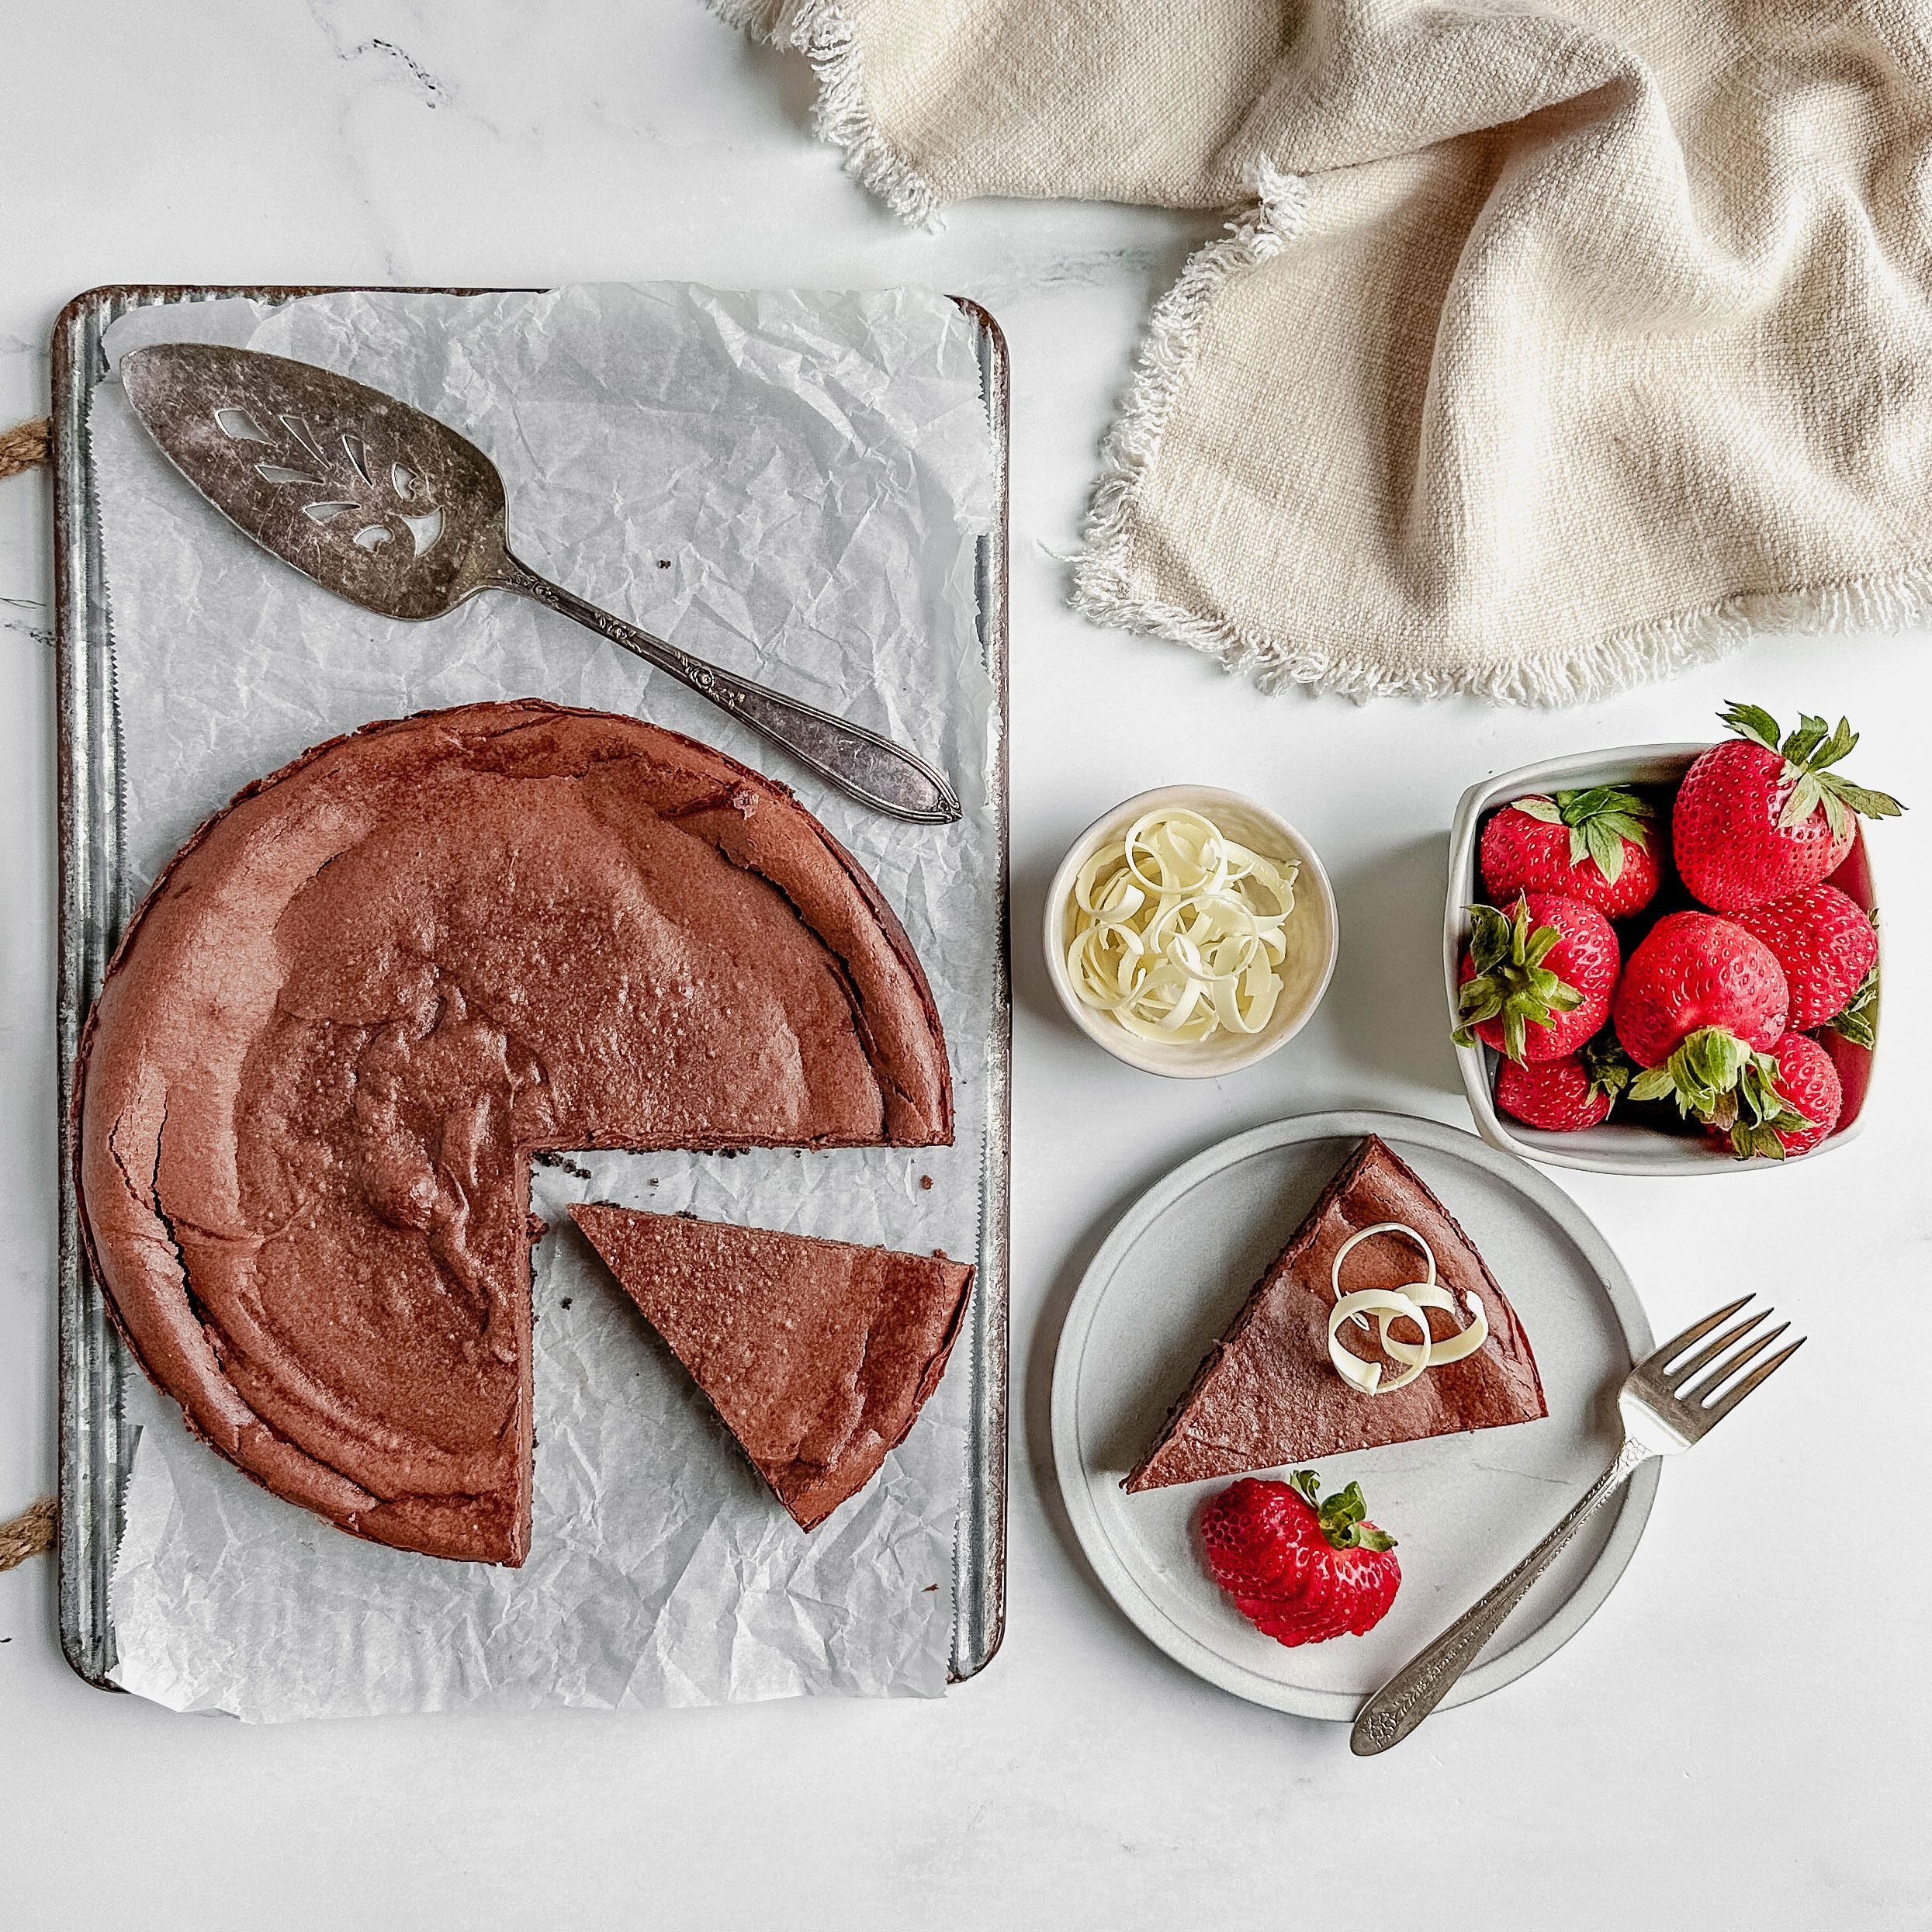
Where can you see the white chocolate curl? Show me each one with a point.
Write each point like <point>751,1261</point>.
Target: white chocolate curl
<point>1391,1305</point>
<point>1177,930</point>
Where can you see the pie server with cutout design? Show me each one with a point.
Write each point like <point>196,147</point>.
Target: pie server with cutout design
<point>392,510</point>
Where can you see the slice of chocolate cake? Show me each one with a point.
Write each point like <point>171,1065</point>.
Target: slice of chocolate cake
<point>1269,1394</point>
<point>817,1355</point>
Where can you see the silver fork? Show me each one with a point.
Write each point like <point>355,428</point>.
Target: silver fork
<point>1663,1409</point>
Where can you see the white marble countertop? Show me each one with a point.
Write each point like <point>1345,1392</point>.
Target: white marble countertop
<point>1738,1738</point>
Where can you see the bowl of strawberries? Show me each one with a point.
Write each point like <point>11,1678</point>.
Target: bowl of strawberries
<point>1665,959</point>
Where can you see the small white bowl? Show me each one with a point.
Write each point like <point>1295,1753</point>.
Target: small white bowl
<point>1313,935</point>
<point>1619,1146</point>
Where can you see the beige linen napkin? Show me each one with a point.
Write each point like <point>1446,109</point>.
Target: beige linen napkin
<point>1552,347</point>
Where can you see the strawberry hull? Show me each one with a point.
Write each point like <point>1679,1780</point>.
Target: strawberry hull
<point>1646,1139</point>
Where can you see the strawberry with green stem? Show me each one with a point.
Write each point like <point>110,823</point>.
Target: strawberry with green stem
<point>1593,845</point>
<point>1756,818</point>
<point>1299,1568</point>
<point>1536,981</point>
<point>1785,1103</point>
<point>1700,1003</point>
<point>1565,1096</point>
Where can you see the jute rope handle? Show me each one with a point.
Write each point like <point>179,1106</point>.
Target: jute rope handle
<point>24,448</point>
<point>32,1531</point>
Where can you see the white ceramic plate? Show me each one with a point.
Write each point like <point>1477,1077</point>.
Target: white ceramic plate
<point>1463,1508</point>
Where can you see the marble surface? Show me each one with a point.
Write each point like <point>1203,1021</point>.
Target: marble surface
<point>1740,1736</point>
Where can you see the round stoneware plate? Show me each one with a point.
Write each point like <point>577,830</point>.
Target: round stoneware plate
<point>1463,1508</point>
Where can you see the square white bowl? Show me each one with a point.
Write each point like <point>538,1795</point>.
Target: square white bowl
<point>1618,1146</point>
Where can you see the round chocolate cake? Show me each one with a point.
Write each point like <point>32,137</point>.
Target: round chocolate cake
<point>361,997</point>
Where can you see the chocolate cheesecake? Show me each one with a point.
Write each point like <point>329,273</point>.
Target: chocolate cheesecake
<point>360,997</point>
<point>818,1355</point>
<point>1268,1394</point>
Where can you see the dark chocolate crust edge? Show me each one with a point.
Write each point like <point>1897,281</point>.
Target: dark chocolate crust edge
<point>929,1383</point>
<point>1136,1478</point>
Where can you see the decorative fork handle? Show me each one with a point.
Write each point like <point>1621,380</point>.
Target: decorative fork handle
<point>1427,1677</point>
<point>869,768</point>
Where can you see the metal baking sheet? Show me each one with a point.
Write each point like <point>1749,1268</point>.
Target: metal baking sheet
<point>96,1446</point>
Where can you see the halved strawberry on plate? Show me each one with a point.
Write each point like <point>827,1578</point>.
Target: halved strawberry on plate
<point>1299,1568</point>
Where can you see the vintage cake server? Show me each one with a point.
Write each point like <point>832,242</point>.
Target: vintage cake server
<point>390,508</point>
<point>1663,1410</point>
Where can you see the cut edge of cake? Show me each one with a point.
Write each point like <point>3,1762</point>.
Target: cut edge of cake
<point>937,1293</point>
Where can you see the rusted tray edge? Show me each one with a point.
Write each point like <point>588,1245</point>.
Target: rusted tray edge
<point>96,1446</point>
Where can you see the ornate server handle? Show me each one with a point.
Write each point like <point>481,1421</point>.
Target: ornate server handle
<point>870,769</point>
<point>1427,1678</point>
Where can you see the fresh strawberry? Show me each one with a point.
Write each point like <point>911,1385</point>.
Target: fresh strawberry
<point>1549,964</point>
<point>1293,1620</point>
<point>1857,1020</point>
<point>1566,1096</point>
<point>1700,999</point>
<point>1824,942</point>
<point>1300,1570</point>
<point>1352,1595</point>
<point>1787,1101</point>
<point>1260,1540</point>
<point>1593,846</point>
<point>1756,821</point>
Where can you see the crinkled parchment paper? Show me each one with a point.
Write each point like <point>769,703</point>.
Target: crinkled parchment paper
<point>789,484</point>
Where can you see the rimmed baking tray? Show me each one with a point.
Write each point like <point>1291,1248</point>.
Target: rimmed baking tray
<point>96,1446</point>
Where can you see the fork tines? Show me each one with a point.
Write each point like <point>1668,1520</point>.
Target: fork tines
<point>1724,1357</point>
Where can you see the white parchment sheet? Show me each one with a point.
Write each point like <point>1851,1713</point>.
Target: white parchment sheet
<point>789,484</point>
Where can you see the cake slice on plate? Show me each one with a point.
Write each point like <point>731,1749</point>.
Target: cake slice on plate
<point>817,1355</point>
<point>1268,1393</point>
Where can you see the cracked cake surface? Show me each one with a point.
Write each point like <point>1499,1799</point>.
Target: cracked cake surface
<point>362,996</point>
<point>818,1355</point>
